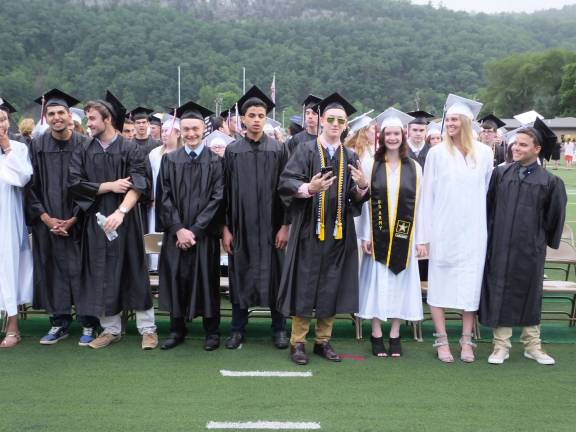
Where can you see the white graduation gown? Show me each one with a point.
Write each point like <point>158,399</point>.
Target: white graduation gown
<point>383,294</point>
<point>155,157</point>
<point>453,223</point>
<point>15,254</point>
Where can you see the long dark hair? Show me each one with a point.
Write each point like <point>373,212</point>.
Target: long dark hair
<point>380,154</point>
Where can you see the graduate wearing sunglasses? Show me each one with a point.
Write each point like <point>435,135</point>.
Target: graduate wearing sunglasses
<point>324,188</point>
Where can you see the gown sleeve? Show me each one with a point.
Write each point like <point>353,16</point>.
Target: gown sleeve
<point>296,173</point>
<point>83,191</point>
<point>34,206</point>
<point>167,216</point>
<point>15,168</point>
<point>555,213</point>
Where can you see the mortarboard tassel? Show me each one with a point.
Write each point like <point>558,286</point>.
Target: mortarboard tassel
<point>42,110</point>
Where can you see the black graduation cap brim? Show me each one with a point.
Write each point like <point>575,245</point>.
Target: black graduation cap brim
<point>491,117</point>
<point>155,120</point>
<point>6,106</point>
<point>191,110</point>
<point>335,100</point>
<point>311,101</point>
<point>420,117</point>
<point>254,95</point>
<point>549,138</point>
<point>228,113</point>
<point>116,108</point>
<point>140,113</point>
<point>56,97</point>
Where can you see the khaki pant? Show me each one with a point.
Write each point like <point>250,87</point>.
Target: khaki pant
<point>530,337</point>
<point>301,326</point>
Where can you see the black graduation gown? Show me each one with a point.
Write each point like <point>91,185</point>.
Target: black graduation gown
<point>301,137</point>
<point>148,144</point>
<point>523,217</point>
<point>254,214</point>
<point>189,195</point>
<point>319,278</point>
<point>56,258</point>
<point>114,275</point>
<point>421,158</point>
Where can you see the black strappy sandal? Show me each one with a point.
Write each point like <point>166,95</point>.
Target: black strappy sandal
<point>395,349</point>
<point>378,348</point>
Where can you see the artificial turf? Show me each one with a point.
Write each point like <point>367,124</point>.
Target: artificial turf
<point>122,388</point>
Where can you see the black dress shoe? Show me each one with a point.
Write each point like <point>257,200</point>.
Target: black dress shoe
<point>173,341</point>
<point>280,339</point>
<point>212,342</point>
<point>235,340</point>
<point>298,354</point>
<point>326,351</point>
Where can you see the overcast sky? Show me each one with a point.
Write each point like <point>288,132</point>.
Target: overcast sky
<point>490,6</point>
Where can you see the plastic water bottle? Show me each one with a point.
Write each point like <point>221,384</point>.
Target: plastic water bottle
<point>101,219</point>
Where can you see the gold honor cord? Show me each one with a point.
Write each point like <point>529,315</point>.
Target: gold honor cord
<point>321,220</point>
<point>392,221</point>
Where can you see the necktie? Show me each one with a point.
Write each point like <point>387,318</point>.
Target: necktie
<point>522,172</point>
<point>192,155</point>
<point>331,151</point>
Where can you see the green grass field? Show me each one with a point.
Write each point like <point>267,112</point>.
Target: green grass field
<point>121,388</point>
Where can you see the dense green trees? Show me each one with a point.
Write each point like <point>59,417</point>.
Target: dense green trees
<point>376,52</point>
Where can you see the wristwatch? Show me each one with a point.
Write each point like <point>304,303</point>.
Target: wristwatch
<point>123,210</point>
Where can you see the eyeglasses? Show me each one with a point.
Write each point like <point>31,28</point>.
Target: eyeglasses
<point>341,120</point>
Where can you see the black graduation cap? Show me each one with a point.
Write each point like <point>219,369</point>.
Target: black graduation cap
<point>139,113</point>
<point>548,138</point>
<point>492,118</point>
<point>6,106</point>
<point>310,101</point>
<point>420,117</point>
<point>56,97</point>
<point>155,120</point>
<point>254,95</point>
<point>229,112</point>
<point>118,111</point>
<point>191,110</point>
<point>335,100</point>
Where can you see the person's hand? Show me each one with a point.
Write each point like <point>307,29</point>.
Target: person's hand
<point>282,237</point>
<point>321,183</point>
<point>64,226</point>
<point>367,247</point>
<point>114,221</point>
<point>121,186</point>
<point>227,240</point>
<point>185,239</point>
<point>421,251</point>
<point>358,176</point>
<point>4,139</point>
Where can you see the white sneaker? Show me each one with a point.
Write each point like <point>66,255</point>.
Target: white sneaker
<point>498,356</point>
<point>540,356</point>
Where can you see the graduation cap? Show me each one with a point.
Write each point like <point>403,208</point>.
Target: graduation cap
<point>392,117</point>
<point>528,117</point>
<point>460,105</point>
<point>6,106</point>
<point>548,138</point>
<point>217,139</point>
<point>476,127</point>
<point>155,119</point>
<point>139,113</point>
<point>420,117</point>
<point>191,110</point>
<point>117,110</point>
<point>360,122</point>
<point>491,118</point>
<point>56,97</point>
<point>254,96</point>
<point>274,123</point>
<point>297,120</point>
<point>335,100</point>
<point>434,129</point>
<point>310,101</point>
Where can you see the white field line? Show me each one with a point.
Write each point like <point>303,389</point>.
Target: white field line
<point>264,425</point>
<point>277,374</point>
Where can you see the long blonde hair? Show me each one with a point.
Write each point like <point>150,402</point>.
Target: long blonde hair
<point>466,138</point>
<point>359,141</point>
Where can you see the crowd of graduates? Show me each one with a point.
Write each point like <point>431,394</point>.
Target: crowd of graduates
<point>347,216</point>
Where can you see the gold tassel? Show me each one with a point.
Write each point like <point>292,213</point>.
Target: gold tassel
<point>338,235</point>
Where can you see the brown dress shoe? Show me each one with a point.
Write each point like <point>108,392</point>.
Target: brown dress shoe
<point>298,354</point>
<point>326,351</point>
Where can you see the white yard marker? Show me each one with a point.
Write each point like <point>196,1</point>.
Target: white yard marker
<point>264,425</point>
<point>276,374</point>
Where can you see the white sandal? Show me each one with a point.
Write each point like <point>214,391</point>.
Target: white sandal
<point>466,339</point>
<point>442,340</point>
